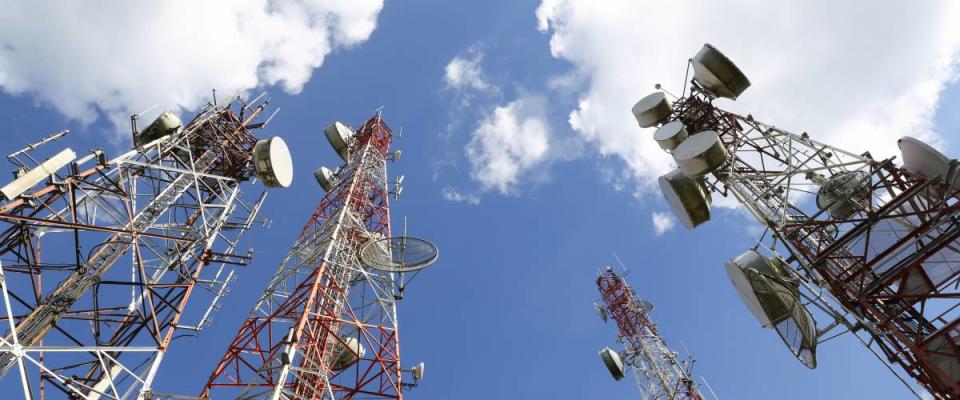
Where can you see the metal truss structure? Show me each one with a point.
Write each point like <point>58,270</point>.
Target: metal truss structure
<point>658,372</point>
<point>100,262</point>
<point>877,240</point>
<point>326,325</point>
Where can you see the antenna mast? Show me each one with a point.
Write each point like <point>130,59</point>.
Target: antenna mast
<point>127,243</point>
<point>658,372</point>
<point>880,240</point>
<point>326,326</point>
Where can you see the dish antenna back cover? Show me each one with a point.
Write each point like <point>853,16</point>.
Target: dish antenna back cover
<point>652,109</point>
<point>717,74</point>
<point>272,161</point>
<point>687,197</point>
<point>613,363</point>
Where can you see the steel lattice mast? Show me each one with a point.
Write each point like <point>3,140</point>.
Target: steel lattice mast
<point>326,326</point>
<point>880,239</point>
<point>658,372</point>
<point>126,243</point>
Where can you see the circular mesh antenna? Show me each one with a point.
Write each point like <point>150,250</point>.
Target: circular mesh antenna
<point>398,254</point>
<point>789,317</point>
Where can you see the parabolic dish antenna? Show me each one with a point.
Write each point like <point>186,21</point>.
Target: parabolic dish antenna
<point>339,136</point>
<point>613,362</point>
<point>652,109</point>
<point>670,135</point>
<point>844,193</point>
<point>644,306</point>
<point>325,178</point>
<point>716,73</point>
<point>920,158</point>
<point>700,153</point>
<point>272,161</point>
<point>398,254</point>
<point>687,197</point>
<point>775,304</point>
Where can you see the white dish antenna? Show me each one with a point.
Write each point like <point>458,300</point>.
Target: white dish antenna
<point>36,175</point>
<point>652,110</point>
<point>717,74</point>
<point>922,159</point>
<point>670,135</point>
<point>844,193</point>
<point>399,254</point>
<point>167,123</point>
<point>348,351</point>
<point>339,135</point>
<point>775,303</point>
<point>613,362</point>
<point>272,161</point>
<point>688,198</point>
<point>699,154</point>
<point>325,177</point>
<point>643,306</point>
<point>417,371</point>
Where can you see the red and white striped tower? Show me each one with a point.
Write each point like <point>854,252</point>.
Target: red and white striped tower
<point>659,374</point>
<point>326,325</point>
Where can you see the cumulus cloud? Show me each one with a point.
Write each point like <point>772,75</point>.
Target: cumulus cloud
<point>465,72</point>
<point>454,195</point>
<point>509,141</point>
<point>121,57</point>
<point>662,222</point>
<point>856,74</point>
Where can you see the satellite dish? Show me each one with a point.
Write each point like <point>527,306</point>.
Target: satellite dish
<point>652,110</point>
<point>922,159</point>
<point>418,372</point>
<point>844,193</point>
<point>398,254</point>
<point>613,362</point>
<point>643,306</point>
<point>688,198</point>
<point>717,74</point>
<point>339,136</point>
<point>348,352</point>
<point>325,177</point>
<point>602,312</point>
<point>670,135</point>
<point>271,159</point>
<point>775,303</point>
<point>700,154</point>
<point>167,123</point>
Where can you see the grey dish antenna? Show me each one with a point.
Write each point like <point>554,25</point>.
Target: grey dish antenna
<point>717,74</point>
<point>774,302</point>
<point>613,362</point>
<point>398,254</point>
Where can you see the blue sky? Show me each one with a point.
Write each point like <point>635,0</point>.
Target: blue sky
<point>506,312</point>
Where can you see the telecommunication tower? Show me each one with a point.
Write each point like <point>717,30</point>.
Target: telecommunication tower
<point>99,257</point>
<point>326,325</point>
<point>657,370</point>
<point>866,245</point>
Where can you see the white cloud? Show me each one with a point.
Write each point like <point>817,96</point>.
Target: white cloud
<point>121,57</point>
<point>662,222</point>
<point>451,194</point>
<point>856,74</point>
<point>509,141</point>
<point>466,73</point>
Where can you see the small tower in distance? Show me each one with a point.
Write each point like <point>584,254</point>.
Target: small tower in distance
<point>659,373</point>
